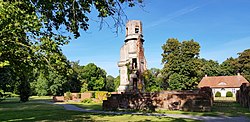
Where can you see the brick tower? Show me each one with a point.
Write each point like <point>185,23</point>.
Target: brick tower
<point>132,62</point>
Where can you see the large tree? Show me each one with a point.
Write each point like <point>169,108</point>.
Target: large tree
<point>32,33</point>
<point>229,67</point>
<point>244,63</point>
<point>153,80</point>
<point>94,76</point>
<point>181,63</point>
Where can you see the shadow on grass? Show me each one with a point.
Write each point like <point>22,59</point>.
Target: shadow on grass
<point>230,108</point>
<point>33,111</point>
<point>14,111</point>
<point>139,118</point>
<point>89,106</point>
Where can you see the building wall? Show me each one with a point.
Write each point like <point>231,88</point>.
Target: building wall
<point>223,91</point>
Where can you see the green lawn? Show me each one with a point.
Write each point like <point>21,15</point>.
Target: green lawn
<point>12,110</point>
<point>222,106</point>
<point>225,106</point>
<point>88,106</point>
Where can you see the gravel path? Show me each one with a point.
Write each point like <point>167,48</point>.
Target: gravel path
<point>203,118</point>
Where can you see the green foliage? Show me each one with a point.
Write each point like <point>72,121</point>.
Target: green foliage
<point>152,80</point>
<point>110,84</point>
<point>41,85</point>
<point>181,64</point>
<point>94,76</point>
<point>116,82</point>
<point>209,67</point>
<point>244,63</point>
<point>31,39</point>
<point>100,95</point>
<point>241,64</point>
<point>68,96</point>
<point>78,96</point>
<point>1,95</point>
<point>84,87</point>
<point>229,67</point>
<point>229,94</point>
<point>88,100</point>
<point>74,80</point>
<point>217,94</point>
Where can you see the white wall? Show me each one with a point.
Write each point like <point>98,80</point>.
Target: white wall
<point>223,91</point>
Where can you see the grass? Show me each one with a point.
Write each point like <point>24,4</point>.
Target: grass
<point>223,106</point>
<point>88,106</point>
<point>227,106</point>
<point>12,110</point>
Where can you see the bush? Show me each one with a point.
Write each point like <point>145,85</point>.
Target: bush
<point>68,96</point>
<point>78,96</point>
<point>217,94</point>
<point>100,95</point>
<point>88,100</point>
<point>229,94</point>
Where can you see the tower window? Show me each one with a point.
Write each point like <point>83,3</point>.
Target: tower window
<point>136,29</point>
<point>134,63</point>
<point>126,31</point>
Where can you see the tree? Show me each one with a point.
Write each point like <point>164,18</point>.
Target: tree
<point>210,68</point>
<point>229,67</point>
<point>75,79</point>
<point>94,76</point>
<point>244,63</point>
<point>110,83</point>
<point>31,37</point>
<point>117,82</point>
<point>181,64</point>
<point>152,80</point>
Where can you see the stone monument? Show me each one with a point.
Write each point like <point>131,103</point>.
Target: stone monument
<point>132,62</point>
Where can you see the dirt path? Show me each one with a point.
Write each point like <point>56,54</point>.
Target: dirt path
<point>203,118</point>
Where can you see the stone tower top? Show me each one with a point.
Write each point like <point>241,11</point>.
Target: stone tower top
<point>133,29</point>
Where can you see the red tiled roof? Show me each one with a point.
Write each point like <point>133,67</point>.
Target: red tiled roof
<point>222,81</point>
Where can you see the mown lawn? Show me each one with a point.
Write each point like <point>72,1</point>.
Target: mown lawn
<point>12,110</point>
<point>222,107</point>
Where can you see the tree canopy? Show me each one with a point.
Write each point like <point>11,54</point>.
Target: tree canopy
<point>183,69</point>
<point>180,63</point>
<point>33,31</point>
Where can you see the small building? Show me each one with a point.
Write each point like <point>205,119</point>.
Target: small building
<point>223,84</point>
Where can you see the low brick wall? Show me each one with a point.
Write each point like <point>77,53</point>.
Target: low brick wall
<point>198,100</point>
<point>243,95</point>
<point>74,96</point>
<point>58,98</point>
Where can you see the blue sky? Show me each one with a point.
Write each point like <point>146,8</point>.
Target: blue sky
<point>221,27</point>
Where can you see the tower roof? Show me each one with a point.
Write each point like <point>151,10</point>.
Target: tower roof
<point>133,30</point>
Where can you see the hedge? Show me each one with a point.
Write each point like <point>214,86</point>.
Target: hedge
<point>229,94</point>
<point>217,94</point>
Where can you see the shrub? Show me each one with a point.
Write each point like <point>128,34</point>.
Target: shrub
<point>78,96</point>
<point>217,94</point>
<point>68,96</point>
<point>229,94</point>
<point>100,95</point>
<point>88,100</point>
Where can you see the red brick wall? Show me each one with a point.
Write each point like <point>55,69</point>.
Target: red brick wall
<point>198,100</point>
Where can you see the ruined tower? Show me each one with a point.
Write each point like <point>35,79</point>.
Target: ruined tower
<point>132,62</point>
